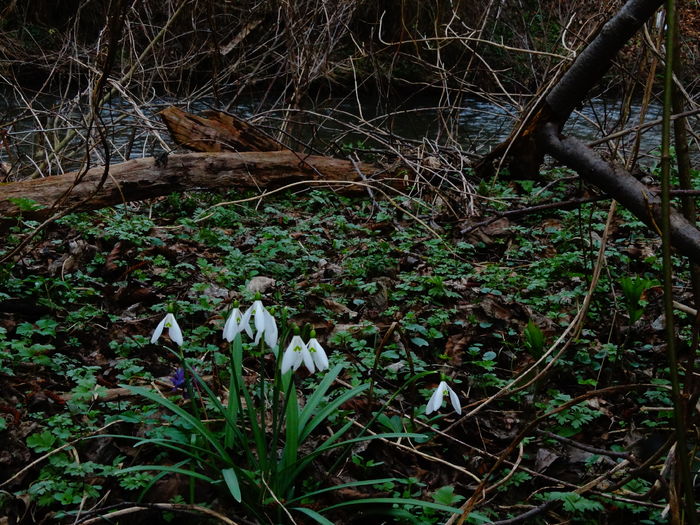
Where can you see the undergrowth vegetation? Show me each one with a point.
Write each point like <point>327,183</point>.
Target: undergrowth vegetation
<point>401,296</point>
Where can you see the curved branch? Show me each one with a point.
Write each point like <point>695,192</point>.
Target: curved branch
<point>594,61</point>
<point>621,185</point>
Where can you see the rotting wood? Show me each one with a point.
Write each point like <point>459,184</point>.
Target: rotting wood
<point>232,154</point>
<point>141,179</point>
<point>216,132</point>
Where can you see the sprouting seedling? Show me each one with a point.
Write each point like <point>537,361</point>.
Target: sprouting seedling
<point>633,289</point>
<point>534,339</point>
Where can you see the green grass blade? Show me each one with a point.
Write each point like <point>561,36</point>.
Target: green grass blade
<point>351,484</point>
<point>387,435</point>
<point>313,515</point>
<point>396,501</point>
<point>232,483</point>
<point>168,469</point>
<point>327,445</point>
<point>193,421</point>
<point>155,479</point>
<point>182,448</point>
<point>258,435</point>
<point>234,396</point>
<point>291,444</point>
<point>230,423</point>
<point>320,392</point>
<point>329,409</point>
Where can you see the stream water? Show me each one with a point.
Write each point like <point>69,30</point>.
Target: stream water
<point>134,130</point>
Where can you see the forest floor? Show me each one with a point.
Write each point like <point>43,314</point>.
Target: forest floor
<point>394,289</point>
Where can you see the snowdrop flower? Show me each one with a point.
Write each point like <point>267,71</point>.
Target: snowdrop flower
<point>435,402</point>
<point>174,331</point>
<point>234,326</point>
<point>318,354</point>
<point>295,354</point>
<point>264,323</point>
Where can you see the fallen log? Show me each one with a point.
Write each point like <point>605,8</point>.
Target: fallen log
<point>145,178</point>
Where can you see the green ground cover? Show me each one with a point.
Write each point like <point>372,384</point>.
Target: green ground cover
<point>401,294</point>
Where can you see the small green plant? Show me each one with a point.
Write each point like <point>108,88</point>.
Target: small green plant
<point>534,339</point>
<point>25,204</point>
<point>574,503</point>
<point>633,289</point>
<point>574,418</point>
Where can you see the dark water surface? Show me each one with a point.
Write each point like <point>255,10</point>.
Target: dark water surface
<point>134,130</point>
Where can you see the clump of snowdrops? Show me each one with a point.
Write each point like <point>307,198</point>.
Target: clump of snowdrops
<point>249,445</point>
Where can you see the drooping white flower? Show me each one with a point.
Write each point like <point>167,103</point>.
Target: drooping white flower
<point>265,324</point>
<point>318,354</point>
<point>295,354</point>
<point>174,331</point>
<point>435,401</point>
<point>234,326</point>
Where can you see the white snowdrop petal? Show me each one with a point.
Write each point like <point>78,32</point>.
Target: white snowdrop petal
<point>245,322</point>
<point>158,331</point>
<point>232,327</point>
<point>296,354</point>
<point>455,401</point>
<point>259,317</point>
<point>430,407</point>
<point>288,359</point>
<point>175,333</point>
<point>308,360</point>
<point>271,332</point>
<point>318,354</point>
<point>435,401</point>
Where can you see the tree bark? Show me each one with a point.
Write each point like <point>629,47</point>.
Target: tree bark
<point>621,186</point>
<point>145,178</point>
<point>595,60</point>
<point>540,132</point>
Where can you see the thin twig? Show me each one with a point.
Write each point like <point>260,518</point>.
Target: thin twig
<point>172,507</point>
<point>583,446</point>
